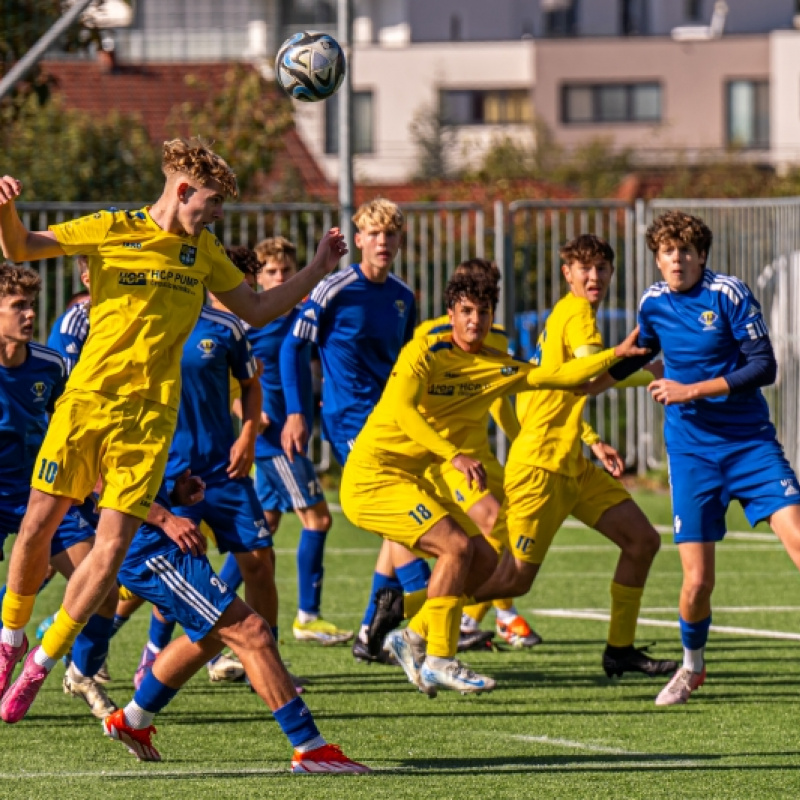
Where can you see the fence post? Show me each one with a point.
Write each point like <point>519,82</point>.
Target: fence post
<point>505,307</point>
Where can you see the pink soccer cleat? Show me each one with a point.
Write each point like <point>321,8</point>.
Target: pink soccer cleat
<point>328,758</point>
<point>21,694</point>
<point>146,661</point>
<point>680,687</point>
<point>9,658</point>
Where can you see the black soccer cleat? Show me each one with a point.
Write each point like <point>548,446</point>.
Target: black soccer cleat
<point>619,660</point>
<point>388,616</point>
<point>362,654</point>
<point>475,640</point>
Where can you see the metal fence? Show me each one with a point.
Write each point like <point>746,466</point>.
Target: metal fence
<point>758,241</point>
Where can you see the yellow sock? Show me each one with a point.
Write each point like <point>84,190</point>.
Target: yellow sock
<point>17,610</point>
<point>61,634</point>
<point>444,618</point>
<point>625,604</point>
<point>413,601</point>
<point>504,605</point>
<point>419,622</point>
<point>478,610</point>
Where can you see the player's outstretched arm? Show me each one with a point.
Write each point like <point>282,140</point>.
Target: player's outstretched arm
<point>260,308</point>
<point>16,241</point>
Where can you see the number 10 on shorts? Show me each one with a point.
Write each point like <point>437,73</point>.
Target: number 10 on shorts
<point>47,471</point>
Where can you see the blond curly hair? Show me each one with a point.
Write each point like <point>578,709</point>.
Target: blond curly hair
<point>193,157</point>
<point>276,248</point>
<point>379,213</point>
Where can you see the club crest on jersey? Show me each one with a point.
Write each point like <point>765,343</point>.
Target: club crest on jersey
<point>207,347</point>
<point>400,306</point>
<point>708,318</point>
<point>188,255</point>
<point>39,388</point>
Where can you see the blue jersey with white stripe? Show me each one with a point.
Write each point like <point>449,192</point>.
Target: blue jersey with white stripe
<point>204,433</point>
<point>69,332</point>
<point>27,394</point>
<point>700,332</point>
<point>360,327</point>
<point>267,343</point>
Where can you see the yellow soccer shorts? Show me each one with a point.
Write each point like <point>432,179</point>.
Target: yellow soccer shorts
<point>124,440</point>
<point>538,502</point>
<point>452,485</point>
<point>395,504</point>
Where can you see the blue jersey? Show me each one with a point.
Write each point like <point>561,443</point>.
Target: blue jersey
<point>360,327</point>
<point>27,394</point>
<point>700,332</point>
<point>69,333</point>
<point>267,343</point>
<point>204,431</point>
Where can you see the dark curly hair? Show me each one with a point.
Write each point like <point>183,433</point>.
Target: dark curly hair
<point>18,280</point>
<point>244,258</point>
<point>478,285</point>
<point>586,249</point>
<point>678,226</point>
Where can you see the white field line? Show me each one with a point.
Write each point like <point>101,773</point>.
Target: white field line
<point>564,613</point>
<point>568,743</point>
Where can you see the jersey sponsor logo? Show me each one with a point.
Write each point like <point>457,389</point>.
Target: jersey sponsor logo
<point>401,307</point>
<point>133,245</point>
<point>509,370</point>
<point>207,347</point>
<point>789,485</point>
<point>465,389</point>
<point>441,389</point>
<point>132,279</point>
<point>188,254</point>
<point>39,388</point>
<point>708,318</point>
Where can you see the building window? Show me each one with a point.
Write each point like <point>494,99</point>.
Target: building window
<point>485,106</point>
<point>363,125</point>
<point>611,102</point>
<point>559,17</point>
<point>693,10</point>
<point>633,17</point>
<point>748,114</point>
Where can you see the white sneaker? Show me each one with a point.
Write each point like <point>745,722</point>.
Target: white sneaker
<point>454,675</point>
<point>90,691</point>
<point>225,668</point>
<point>680,687</point>
<point>409,654</point>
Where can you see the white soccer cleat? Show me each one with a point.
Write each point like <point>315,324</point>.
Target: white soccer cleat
<point>408,653</point>
<point>680,687</point>
<point>225,668</point>
<point>454,675</point>
<point>328,758</point>
<point>90,691</point>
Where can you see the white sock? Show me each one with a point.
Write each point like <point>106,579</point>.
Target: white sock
<point>311,744</point>
<point>43,660</point>
<point>152,648</point>
<point>362,634</point>
<point>305,617</point>
<point>469,624</point>
<point>12,636</point>
<point>506,616</point>
<point>74,671</point>
<point>137,717</point>
<point>436,662</point>
<point>694,659</point>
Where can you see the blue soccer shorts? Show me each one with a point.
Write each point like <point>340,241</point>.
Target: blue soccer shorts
<point>284,485</point>
<point>231,509</point>
<point>756,473</point>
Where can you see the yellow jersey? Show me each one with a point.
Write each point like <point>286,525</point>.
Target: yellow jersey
<point>147,287</point>
<point>552,420</point>
<point>456,389</point>
<point>497,337</point>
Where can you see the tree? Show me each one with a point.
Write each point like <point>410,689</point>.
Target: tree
<point>433,141</point>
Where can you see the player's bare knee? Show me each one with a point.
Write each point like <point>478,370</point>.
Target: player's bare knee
<point>697,589</point>
<point>249,633</point>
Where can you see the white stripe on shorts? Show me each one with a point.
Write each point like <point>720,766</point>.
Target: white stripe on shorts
<point>181,587</point>
<point>284,470</point>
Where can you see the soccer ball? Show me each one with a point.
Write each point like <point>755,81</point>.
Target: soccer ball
<point>310,66</point>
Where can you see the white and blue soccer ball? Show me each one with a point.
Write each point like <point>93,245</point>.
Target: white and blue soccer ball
<point>310,66</point>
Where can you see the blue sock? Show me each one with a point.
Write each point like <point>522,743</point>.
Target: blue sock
<point>2,595</point>
<point>694,635</point>
<point>118,623</point>
<point>91,646</point>
<point>414,575</point>
<point>296,722</point>
<point>379,581</point>
<point>160,632</point>
<point>309,569</point>
<point>231,574</point>
<point>152,695</point>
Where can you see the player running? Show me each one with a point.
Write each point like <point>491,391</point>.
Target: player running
<point>438,386</point>
<point>721,444</point>
<point>149,272</point>
<point>359,319</point>
<point>547,477</point>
